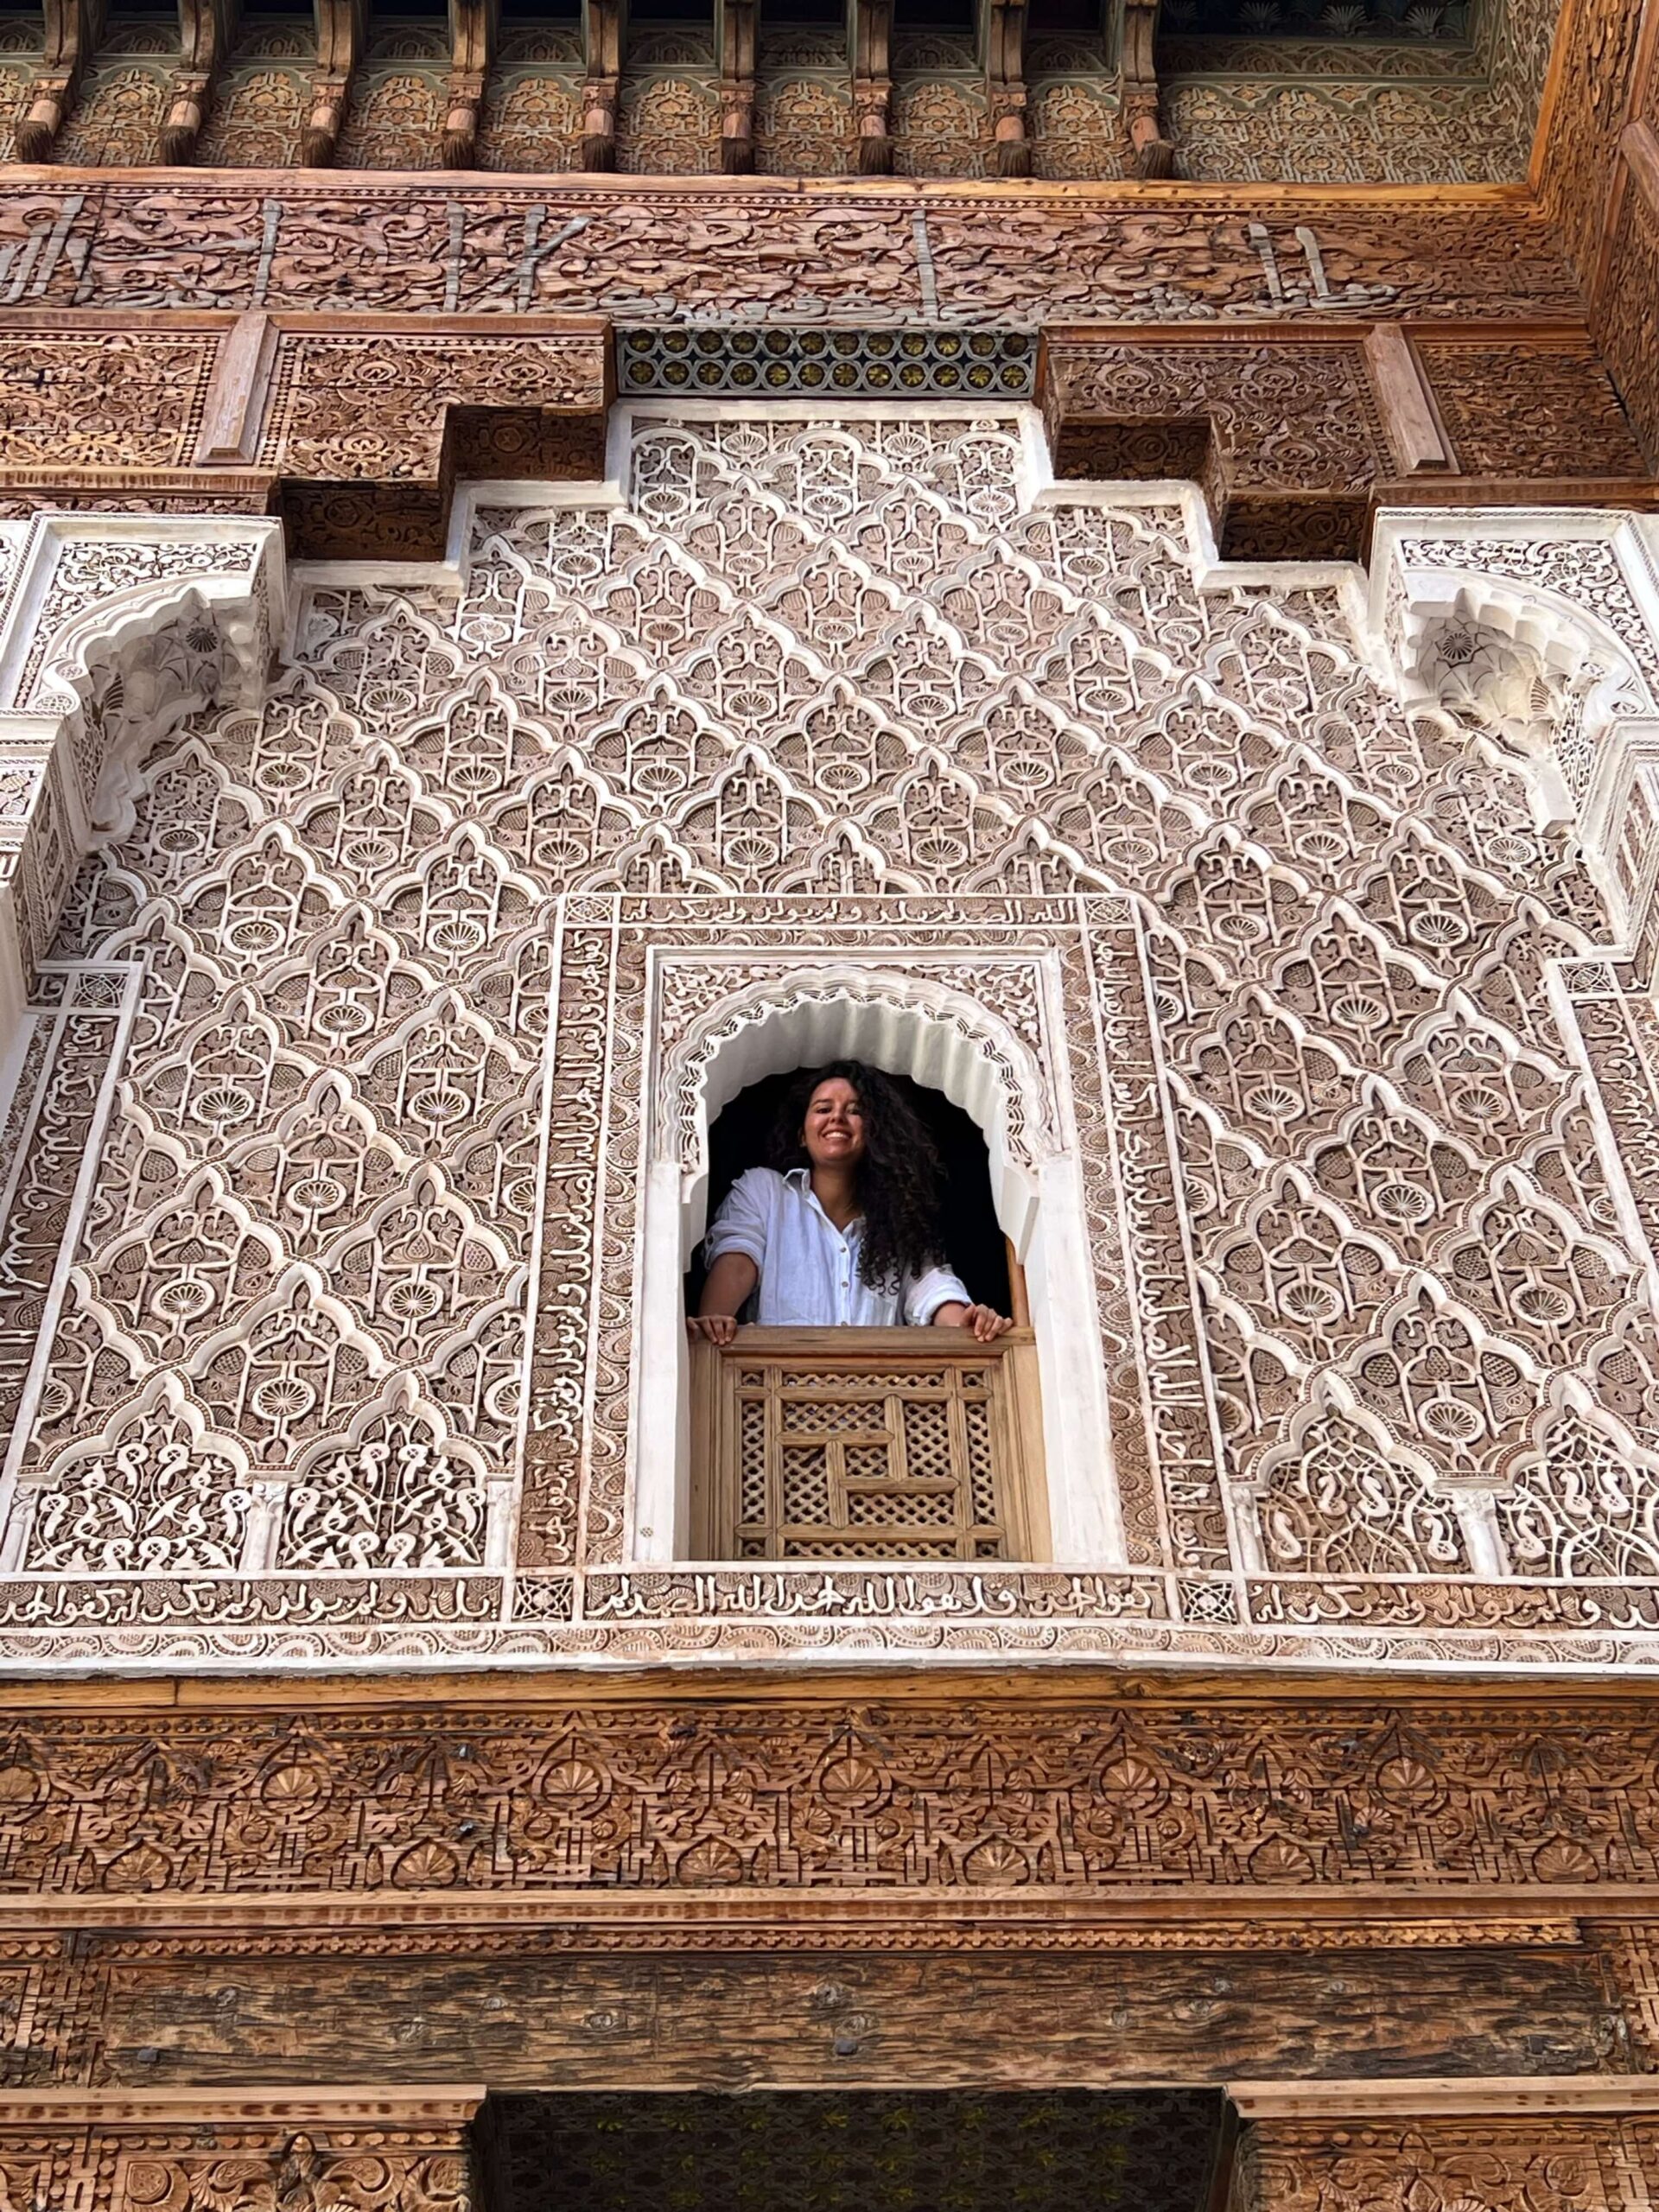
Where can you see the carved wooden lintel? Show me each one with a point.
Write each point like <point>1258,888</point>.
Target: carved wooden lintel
<point>71,28</point>
<point>604,29</point>
<point>1152,152</point>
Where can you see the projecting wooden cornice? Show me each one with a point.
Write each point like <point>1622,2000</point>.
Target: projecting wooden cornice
<point>357,426</point>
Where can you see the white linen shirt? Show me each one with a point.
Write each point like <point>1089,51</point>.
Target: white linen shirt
<point>809,1268</point>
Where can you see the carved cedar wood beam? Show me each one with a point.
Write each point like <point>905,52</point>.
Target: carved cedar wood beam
<point>735,28</point>
<point>472,48</point>
<point>604,30</point>
<point>206,29</point>
<point>1152,154</point>
<point>342,29</point>
<point>869,43</point>
<point>71,29</point>
<point>1002,42</point>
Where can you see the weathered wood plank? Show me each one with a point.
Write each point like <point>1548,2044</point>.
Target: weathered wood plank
<point>845,2021</point>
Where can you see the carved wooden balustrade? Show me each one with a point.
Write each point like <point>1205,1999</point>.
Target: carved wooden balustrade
<point>888,1443</point>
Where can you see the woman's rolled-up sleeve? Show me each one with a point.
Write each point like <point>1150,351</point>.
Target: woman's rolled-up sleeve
<point>742,1223</point>
<point>925,1294</point>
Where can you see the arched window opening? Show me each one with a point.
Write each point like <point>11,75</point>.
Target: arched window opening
<point>937,1445</point>
<point>889,1442</point>
<point>976,1246</point>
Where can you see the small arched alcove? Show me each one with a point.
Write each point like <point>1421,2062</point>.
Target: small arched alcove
<point>915,1027</point>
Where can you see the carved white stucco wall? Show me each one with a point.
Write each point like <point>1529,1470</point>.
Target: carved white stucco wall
<point>323,1319</point>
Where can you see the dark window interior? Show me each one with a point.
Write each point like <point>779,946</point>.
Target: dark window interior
<point>821,15</point>
<point>664,13</point>
<point>934,15</point>
<point>861,2151</point>
<point>742,1138</point>
<point>1053,18</point>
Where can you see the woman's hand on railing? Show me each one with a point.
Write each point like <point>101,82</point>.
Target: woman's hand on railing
<point>985,1321</point>
<point>731,1279</point>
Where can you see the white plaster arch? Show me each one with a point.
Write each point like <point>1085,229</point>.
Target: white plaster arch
<point>907,1022</point>
<point>1580,589</point>
<point>1570,641</point>
<point>95,661</point>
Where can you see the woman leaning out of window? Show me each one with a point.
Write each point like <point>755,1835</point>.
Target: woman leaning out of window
<point>844,1230</point>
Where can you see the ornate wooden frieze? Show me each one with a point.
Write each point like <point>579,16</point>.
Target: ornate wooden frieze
<point>862,253</point>
<point>1260,99</point>
<point>1628,305</point>
<point>1232,125</point>
<point>1528,2163</point>
<point>1294,436</point>
<point>858,1881</point>
<point>356,436</point>
<point>810,1891</point>
<point>657,100</point>
<point>1598,182</point>
<point>356,429</point>
<point>1484,1813</point>
<point>375,2151</point>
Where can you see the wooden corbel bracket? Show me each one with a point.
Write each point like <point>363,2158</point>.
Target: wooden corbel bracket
<point>206,30</point>
<point>1002,42</point>
<point>1152,152</point>
<point>472,48</point>
<point>870,46</point>
<point>735,37</point>
<point>604,30</point>
<point>71,29</point>
<point>341,37</point>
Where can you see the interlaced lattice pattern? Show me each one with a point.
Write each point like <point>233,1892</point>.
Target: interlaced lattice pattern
<point>901,1462</point>
<point>814,661</point>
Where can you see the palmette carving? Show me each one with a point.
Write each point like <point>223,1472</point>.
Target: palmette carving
<point>1508,2163</point>
<point>1429,1799</point>
<point>396,2153</point>
<point>352,1297</point>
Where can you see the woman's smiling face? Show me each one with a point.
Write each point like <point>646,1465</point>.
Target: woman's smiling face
<point>833,1132</point>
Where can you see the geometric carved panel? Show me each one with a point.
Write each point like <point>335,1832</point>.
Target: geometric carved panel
<point>1375,1325</point>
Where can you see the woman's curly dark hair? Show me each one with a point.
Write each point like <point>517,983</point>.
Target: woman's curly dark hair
<point>899,1178</point>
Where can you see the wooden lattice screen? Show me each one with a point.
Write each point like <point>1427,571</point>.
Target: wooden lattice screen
<point>893,1443</point>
